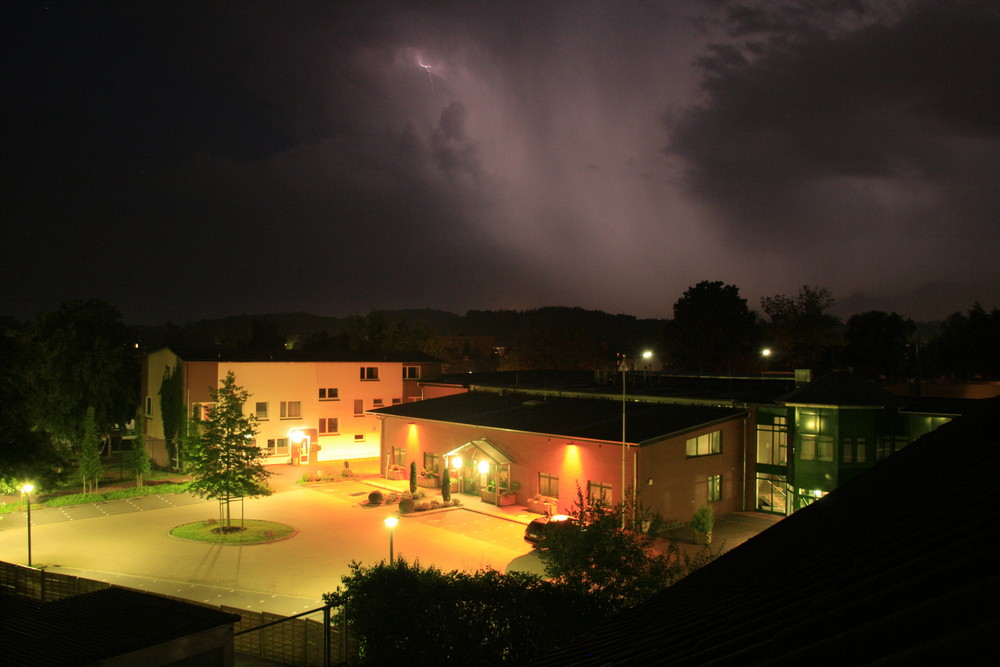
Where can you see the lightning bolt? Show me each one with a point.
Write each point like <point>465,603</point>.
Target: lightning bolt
<point>430,76</point>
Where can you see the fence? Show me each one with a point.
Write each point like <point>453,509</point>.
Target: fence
<point>298,640</point>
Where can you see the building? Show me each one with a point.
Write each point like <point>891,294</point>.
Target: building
<point>769,444</point>
<point>309,410</point>
<point>529,446</point>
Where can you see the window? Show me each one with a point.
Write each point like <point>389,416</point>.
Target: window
<point>598,490</point>
<point>854,450</point>
<point>378,403</point>
<point>262,410</point>
<point>411,372</point>
<point>703,445</point>
<point>369,372</point>
<point>431,462</point>
<point>397,401</point>
<point>329,394</point>
<point>816,448</point>
<point>824,448</point>
<point>200,411</point>
<point>548,485</point>
<point>291,409</point>
<point>715,488</point>
<point>889,444</point>
<point>277,447</point>
<point>328,425</point>
<point>398,453</point>
<point>149,405</point>
<point>359,407</point>
<point>360,437</point>
<point>772,442</point>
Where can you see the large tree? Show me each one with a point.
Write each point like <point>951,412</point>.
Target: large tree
<point>84,358</point>
<point>712,330</point>
<point>226,462</point>
<point>877,343</point>
<point>800,330</point>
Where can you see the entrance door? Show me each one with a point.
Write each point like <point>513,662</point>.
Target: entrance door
<point>304,449</point>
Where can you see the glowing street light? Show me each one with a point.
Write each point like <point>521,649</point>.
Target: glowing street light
<point>764,355</point>
<point>390,523</point>
<point>26,491</point>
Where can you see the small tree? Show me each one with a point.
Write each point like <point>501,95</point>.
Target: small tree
<point>593,553</point>
<point>413,476</point>
<point>138,459</point>
<point>445,485</point>
<point>226,462</point>
<point>90,454</point>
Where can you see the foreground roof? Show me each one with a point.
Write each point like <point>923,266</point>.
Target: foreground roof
<point>95,626</point>
<point>896,565</point>
<point>590,418</point>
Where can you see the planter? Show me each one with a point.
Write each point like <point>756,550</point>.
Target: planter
<point>488,497</point>
<point>509,499</point>
<point>396,474</point>
<point>429,482</point>
<point>542,506</point>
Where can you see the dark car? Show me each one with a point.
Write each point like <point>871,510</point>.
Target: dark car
<point>538,528</point>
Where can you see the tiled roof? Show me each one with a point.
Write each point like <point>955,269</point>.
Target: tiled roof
<point>898,566</point>
<point>95,626</point>
<point>841,388</point>
<point>595,419</point>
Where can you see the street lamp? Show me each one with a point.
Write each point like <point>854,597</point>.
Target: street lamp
<point>764,354</point>
<point>390,523</point>
<point>26,491</point>
<point>647,356</point>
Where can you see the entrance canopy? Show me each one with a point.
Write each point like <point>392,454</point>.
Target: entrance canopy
<point>484,446</point>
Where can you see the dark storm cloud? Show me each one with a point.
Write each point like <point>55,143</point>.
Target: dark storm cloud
<point>887,123</point>
<point>182,160</point>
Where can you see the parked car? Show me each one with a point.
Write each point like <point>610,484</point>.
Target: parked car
<point>538,528</point>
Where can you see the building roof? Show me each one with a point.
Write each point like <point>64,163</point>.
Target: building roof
<point>95,626</point>
<point>289,356</point>
<point>841,389</point>
<point>589,418</point>
<point>897,566</point>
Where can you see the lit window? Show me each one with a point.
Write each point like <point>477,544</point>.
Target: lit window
<point>772,442</point>
<point>277,447</point>
<point>369,372</point>
<point>703,445</point>
<point>715,488</point>
<point>291,409</point>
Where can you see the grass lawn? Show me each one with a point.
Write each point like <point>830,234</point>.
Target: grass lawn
<point>248,531</point>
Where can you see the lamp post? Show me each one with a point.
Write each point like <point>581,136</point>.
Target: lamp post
<point>26,491</point>
<point>623,367</point>
<point>390,523</point>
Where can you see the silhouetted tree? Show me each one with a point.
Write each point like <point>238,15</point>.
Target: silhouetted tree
<point>712,330</point>
<point>799,330</point>
<point>969,345</point>
<point>877,343</point>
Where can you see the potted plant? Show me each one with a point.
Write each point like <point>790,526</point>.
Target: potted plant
<point>395,472</point>
<point>702,523</point>
<point>508,496</point>
<point>488,494</point>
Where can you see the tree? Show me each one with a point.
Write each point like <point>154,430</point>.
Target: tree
<point>138,460</point>
<point>84,358</point>
<point>226,462</point>
<point>90,454</point>
<point>446,485</point>
<point>969,345</point>
<point>800,328</point>
<point>712,329</point>
<point>604,552</point>
<point>173,411</point>
<point>877,343</point>
<point>413,477</point>
<point>485,618</point>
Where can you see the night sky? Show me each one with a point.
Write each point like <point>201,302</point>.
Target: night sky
<point>191,160</point>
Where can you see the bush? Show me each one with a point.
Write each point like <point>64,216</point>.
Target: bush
<point>406,505</point>
<point>376,497</point>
